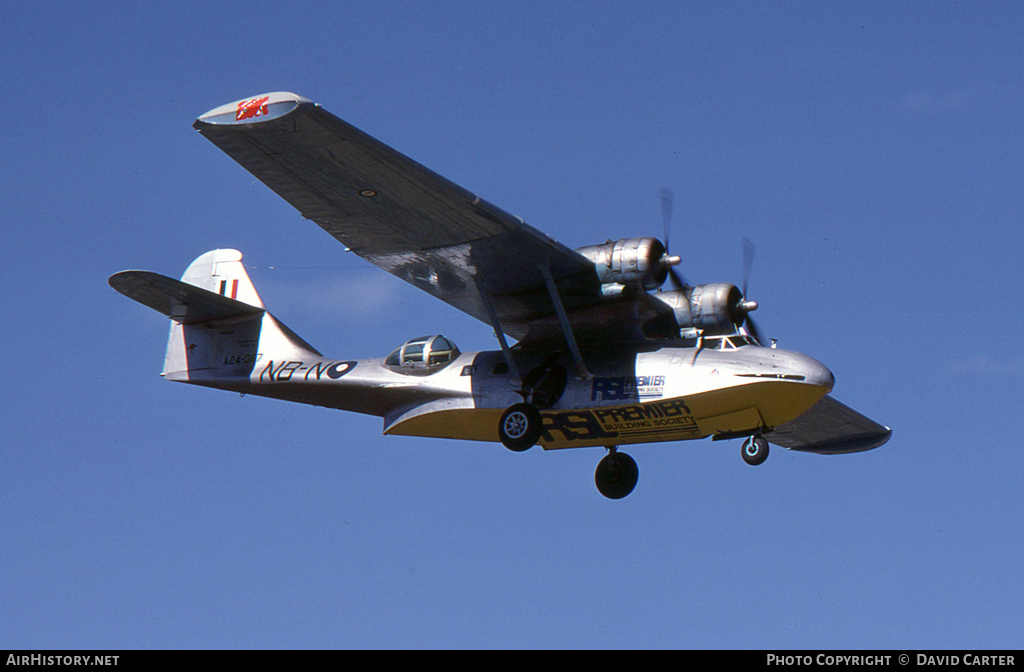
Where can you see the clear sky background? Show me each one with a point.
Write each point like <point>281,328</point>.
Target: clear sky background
<point>872,150</point>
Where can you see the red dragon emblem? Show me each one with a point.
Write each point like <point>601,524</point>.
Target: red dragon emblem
<point>252,108</point>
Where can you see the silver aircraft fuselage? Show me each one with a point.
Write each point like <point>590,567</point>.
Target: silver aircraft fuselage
<point>662,394</point>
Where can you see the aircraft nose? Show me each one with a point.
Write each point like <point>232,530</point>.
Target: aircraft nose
<point>814,372</point>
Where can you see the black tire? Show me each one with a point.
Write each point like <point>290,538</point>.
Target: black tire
<point>616,475</point>
<point>755,450</point>
<point>520,427</point>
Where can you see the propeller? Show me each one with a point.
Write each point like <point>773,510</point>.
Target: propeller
<point>746,306</point>
<point>669,260</point>
<point>741,310</point>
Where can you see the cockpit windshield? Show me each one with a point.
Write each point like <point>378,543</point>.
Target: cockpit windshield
<point>727,342</point>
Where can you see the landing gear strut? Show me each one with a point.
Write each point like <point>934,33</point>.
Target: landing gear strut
<point>616,474</point>
<point>520,427</point>
<point>755,450</point>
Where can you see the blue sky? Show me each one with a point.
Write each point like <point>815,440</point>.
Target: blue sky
<point>871,150</point>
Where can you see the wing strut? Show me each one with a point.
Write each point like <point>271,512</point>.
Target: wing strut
<point>499,333</point>
<point>581,368</point>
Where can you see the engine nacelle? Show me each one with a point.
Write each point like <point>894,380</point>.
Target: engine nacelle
<point>630,261</point>
<point>715,308</point>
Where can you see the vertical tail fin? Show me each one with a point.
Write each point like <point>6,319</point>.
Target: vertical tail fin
<point>219,326</point>
<point>221,272</point>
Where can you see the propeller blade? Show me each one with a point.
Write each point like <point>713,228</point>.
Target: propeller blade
<point>748,305</point>
<point>666,215</point>
<point>666,219</point>
<point>677,280</point>
<point>752,328</point>
<point>748,262</point>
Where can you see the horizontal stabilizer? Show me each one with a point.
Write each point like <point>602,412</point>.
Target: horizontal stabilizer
<point>180,301</point>
<point>830,428</point>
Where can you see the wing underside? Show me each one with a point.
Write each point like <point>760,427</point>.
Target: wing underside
<point>828,428</point>
<point>401,216</point>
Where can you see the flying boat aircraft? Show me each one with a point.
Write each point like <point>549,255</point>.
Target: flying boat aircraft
<point>602,357</point>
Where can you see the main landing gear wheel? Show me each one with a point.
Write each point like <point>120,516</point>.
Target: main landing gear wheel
<point>755,450</point>
<point>616,475</point>
<point>520,427</point>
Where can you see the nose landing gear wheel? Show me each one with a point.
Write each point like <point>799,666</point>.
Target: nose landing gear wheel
<point>755,450</point>
<point>520,427</point>
<point>616,475</point>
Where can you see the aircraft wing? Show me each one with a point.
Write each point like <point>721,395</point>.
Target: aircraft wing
<point>830,428</point>
<point>405,218</point>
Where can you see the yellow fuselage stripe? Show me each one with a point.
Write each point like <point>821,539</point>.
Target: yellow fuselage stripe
<point>746,407</point>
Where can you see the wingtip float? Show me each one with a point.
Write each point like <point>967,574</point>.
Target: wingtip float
<point>256,109</point>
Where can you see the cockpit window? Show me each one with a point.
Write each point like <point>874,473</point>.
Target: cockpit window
<point>728,343</point>
<point>740,341</point>
<point>712,343</point>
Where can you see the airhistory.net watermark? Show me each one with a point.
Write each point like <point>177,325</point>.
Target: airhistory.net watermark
<point>65,660</point>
